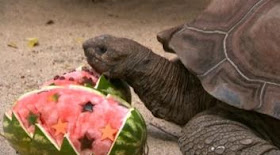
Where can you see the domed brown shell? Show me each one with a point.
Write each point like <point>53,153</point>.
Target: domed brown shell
<point>234,49</point>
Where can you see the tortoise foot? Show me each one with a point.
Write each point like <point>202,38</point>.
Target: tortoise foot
<point>216,132</point>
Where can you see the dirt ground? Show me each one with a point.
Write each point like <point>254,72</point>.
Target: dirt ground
<point>23,69</point>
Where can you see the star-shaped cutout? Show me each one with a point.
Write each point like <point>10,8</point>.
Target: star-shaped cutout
<point>54,97</point>
<point>60,127</point>
<point>108,132</point>
<point>88,107</point>
<point>86,143</point>
<point>32,118</point>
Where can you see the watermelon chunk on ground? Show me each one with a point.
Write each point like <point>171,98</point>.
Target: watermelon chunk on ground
<point>80,112</point>
<point>76,111</point>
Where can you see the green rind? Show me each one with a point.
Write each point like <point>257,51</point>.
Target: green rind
<point>120,100</point>
<point>132,136</point>
<point>15,134</point>
<point>67,147</point>
<point>106,87</point>
<point>40,143</point>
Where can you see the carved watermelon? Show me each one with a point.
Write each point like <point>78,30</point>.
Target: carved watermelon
<point>73,119</point>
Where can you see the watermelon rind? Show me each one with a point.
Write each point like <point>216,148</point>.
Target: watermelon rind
<point>42,142</point>
<point>78,87</point>
<point>38,143</point>
<point>132,136</point>
<point>16,134</point>
<point>67,147</point>
<point>37,91</point>
<point>118,89</point>
<point>120,100</point>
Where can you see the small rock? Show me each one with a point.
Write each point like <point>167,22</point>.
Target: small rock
<point>13,45</point>
<point>49,22</point>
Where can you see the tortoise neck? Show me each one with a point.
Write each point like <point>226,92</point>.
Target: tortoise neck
<point>168,89</point>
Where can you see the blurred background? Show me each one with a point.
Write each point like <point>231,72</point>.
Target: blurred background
<point>61,26</point>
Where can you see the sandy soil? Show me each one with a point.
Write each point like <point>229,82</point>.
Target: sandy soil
<point>25,68</point>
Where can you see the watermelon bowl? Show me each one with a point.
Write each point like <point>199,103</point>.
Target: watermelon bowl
<point>77,113</point>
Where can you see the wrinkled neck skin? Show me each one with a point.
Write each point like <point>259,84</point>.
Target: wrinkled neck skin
<point>167,89</point>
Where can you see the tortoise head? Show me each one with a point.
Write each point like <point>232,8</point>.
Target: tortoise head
<point>112,56</point>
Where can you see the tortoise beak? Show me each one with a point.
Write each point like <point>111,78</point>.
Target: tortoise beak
<point>165,36</point>
<point>87,46</point>
<point>93,53</point>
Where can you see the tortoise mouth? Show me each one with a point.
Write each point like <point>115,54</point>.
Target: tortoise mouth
<point>89,52</point>
<point>94,60</point>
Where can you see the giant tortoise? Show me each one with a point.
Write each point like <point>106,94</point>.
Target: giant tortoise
<point>225,87</point>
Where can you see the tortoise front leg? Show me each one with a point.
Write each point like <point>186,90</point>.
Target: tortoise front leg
<point>218,131</point>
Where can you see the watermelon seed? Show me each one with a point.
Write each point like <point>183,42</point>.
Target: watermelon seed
<point>88,107</point>
<point>86,143</point>
<point>56,77</point>
<point>71,79</point>
<point>62,78</point>
<point>72,70</point>
<point>84,68</point>
<point>90,72</point>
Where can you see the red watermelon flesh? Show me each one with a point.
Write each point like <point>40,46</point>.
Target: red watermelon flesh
<point>83,76</point>
<point>81,113</point>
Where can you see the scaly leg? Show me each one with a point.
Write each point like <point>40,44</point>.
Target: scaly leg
<point>220,131</point>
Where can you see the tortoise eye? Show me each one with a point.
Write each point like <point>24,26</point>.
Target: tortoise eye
<point>100,50</point>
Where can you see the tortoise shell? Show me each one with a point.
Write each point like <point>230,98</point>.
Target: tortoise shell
<point>234,49</point>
